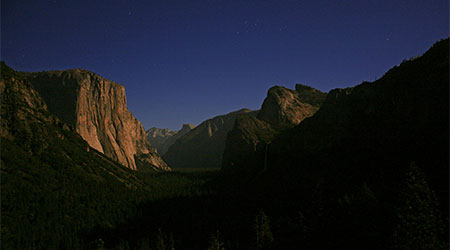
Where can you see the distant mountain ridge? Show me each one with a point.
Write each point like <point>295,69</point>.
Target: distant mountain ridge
<point>96,108</point>
<point>202,147</point>
<point>162,139</point>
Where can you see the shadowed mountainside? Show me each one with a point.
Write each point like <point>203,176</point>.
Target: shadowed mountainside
<point>401,117</point>
<point>370,168</point>
<point>203,146</point>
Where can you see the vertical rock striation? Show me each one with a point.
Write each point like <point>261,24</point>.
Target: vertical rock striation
<point>97,109</point>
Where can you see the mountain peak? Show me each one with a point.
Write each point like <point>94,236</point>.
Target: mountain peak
<point>187,126</point>
<point>285,107</point>
<point>97,108</point>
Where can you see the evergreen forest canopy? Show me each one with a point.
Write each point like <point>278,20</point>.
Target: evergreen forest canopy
<point>368,171</point>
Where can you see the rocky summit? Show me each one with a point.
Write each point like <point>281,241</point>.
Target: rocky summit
<point>163,138</point>
<point>282,109</point>
<point>97,109</point>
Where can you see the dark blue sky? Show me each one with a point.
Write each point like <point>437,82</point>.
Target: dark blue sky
<point>187,61</point>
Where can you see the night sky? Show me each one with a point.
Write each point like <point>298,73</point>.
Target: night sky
<point>187,61</point>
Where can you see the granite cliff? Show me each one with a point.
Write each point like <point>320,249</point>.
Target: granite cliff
<point>248,141</point>
<point>162,139</point>
<point>28,128</point>
<point>48,172</point>
<point>97,109</point>
<point>203,146</point>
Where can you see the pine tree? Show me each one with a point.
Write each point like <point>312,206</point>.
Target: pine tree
<point>215,242</point>
<point>163,242</point>
<point>100,244</point>
<point>418,223</point>
<point>263,234</point>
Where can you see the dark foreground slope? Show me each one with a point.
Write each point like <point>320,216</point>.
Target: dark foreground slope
<point>374,160</point>
<point>398,119</point>
<point>54,186</point>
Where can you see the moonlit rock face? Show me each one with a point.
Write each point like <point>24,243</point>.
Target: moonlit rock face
<point>286,108</point>
<point>98,109</point>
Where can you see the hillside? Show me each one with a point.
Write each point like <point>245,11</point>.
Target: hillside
<point>53,182</point>
<point>370,152</point>
<point>202,147</point>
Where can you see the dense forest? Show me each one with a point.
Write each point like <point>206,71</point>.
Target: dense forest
<point>382,184</point>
